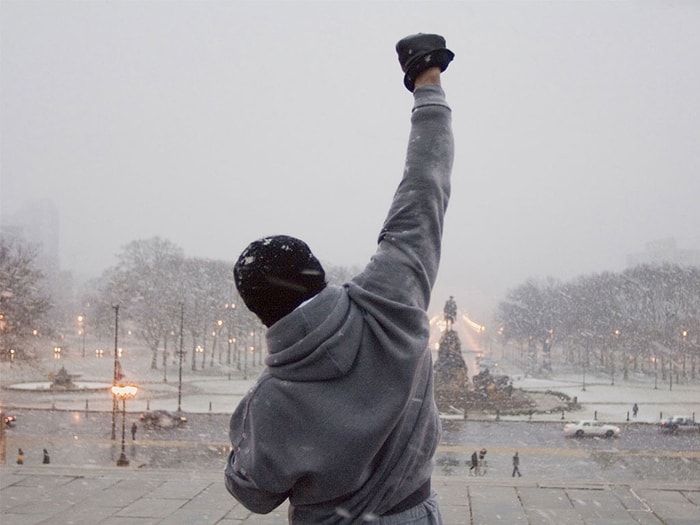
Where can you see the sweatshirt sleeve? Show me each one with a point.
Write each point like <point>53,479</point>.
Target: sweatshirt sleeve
<point>253,453</point>
<point>405,266</point>
<point>245,491</point>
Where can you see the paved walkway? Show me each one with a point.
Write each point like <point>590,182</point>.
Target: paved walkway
<point>129,496</point>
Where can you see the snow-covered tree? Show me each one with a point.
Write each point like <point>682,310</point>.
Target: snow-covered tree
<point>22,301</point>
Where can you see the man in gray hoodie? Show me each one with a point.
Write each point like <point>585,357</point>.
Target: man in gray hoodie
<point>342,421</point>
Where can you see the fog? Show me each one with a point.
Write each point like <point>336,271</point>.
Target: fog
<point>210,124</point>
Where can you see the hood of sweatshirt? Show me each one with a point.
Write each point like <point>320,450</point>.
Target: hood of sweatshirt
<point>318,341</point>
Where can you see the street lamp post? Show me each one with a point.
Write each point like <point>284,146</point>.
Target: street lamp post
<point>180,356</point>
<point>197,351</point>
<point>56,357</point>
<point>684,334</point>
<point>219,324</point>
<point>203,348</point>
<point>584,360</point>
<point>231,341</point>
<point>81,332</point>
<point>230,318</point>
<point>116,372</point>
<point>123,392</point>
<point>612,360</point>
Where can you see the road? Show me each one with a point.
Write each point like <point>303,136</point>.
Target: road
<point>642,452</point>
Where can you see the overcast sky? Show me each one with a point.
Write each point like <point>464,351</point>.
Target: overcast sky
<point>577,128</point>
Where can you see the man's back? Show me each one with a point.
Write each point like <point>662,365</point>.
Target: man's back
<point>343,421</point>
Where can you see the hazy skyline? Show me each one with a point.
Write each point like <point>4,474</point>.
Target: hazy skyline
<point>210,124</point>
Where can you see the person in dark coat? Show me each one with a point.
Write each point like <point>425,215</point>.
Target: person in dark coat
<point>134,428</point>
<point>475,463</point>
<point>635,409</point>
<point>47,459</point>
<point>516,464</point>
<point>20,456</point>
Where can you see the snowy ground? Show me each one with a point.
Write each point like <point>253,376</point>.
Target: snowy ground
<point>614,402</point>
<point>218,388</point>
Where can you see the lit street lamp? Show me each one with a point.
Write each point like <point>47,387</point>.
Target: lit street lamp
<point>81,331</point>
<point>116,370</point>
<point>198,350</point>
<point>214,344</point>
<point>56,357</point>
<point>230,315</point>
<point>231,341</point>
<point>219,324</point>
<point>123,392</point>
<point>612,359</point>
<point>684,334</point>
<point>180,353</point>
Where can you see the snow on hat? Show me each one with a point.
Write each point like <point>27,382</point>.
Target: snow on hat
<point>276,274</point>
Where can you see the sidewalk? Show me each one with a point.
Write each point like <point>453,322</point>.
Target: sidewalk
<point>128,496</point>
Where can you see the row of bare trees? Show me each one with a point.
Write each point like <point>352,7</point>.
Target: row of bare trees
<point>644,319</point>
<point>166,298</point>
<point>170,301</point>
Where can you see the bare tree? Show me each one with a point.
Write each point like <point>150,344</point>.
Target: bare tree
<point>22,301</point>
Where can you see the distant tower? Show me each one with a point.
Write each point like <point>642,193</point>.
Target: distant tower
<point>450,370</point>
<point>450,312</point>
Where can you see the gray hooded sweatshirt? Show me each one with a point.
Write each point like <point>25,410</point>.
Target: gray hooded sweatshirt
<point>343,421</point>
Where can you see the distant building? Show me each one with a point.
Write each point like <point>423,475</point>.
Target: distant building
<point>37,223</point>
<point>664,251</point>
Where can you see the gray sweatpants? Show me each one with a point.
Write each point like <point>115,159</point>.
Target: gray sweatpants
<point>426,513</point>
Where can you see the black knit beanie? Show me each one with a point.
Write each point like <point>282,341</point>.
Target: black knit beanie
<point>276,274</point>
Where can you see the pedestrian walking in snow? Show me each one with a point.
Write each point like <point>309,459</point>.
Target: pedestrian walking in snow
<point>334,351</point>
<point>20,456</point>
<point>516,464</point>
<point>47,459</point>
<point>635,409</point>
<point>475,463</point>
<point>134,428</point>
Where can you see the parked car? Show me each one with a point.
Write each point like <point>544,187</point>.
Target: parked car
<point>588,427</point>
<point>162,419</point>
<point>9,421</point>
<point>675,424</point>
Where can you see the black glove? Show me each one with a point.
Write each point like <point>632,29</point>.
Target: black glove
<point>420,52</point>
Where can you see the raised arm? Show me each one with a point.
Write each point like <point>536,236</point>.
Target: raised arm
<point>405,265</point>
